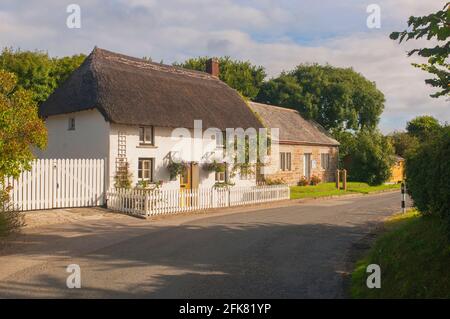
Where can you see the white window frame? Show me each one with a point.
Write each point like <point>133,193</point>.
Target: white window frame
<point>285,161</point>
<point>141,168</point>
<point>222,177</point>
<point>143,137</point>
<point>325,160</point>
<point>220,142</point>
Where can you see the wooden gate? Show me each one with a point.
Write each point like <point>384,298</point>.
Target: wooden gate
<point>59,183</point>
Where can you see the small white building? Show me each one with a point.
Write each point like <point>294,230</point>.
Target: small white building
<point>125,110</point>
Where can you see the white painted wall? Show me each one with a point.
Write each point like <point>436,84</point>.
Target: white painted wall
<point>94,137</point>
<point>88,140</point>
<point>186,148</point>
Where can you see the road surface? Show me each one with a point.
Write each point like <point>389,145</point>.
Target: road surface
<point>282,251</point>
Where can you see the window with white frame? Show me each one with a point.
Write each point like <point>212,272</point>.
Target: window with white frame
<point>220,139</point>
<point>285,161</point>
<point>221,177</point>
<point>71,125</point>
<point>325,160</point>
<point>145,169</point>
<point>146,135</point>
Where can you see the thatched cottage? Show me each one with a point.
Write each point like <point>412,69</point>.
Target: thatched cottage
<point>125,110</point>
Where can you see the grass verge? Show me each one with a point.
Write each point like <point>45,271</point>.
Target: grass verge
<point>329,189</point>
<point>414,256</point>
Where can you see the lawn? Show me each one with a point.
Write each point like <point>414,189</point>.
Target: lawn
<point>414,256</point>
<point>329,189</point>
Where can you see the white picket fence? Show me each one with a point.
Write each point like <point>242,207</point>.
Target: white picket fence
<point>59,183</point>
<point>168,201</point>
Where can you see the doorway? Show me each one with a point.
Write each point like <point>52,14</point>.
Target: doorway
<point>307,165</point>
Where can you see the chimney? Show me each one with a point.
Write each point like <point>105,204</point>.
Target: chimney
<point>212,67</point>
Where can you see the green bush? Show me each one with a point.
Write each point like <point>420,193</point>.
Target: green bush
<point>11,219</point>
<point>428,174</point>
<point>370,158</point>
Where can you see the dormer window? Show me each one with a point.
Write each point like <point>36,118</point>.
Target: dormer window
<point>146,135</point>
<point>71,126</point>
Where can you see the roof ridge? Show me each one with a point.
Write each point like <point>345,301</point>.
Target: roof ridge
<point>277,107</point>
<point>149,65</point>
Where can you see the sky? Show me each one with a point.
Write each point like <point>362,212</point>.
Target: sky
<point>277,34</point>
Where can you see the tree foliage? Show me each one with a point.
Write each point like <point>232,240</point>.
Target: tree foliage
<point>337,98</point>
<point>403,142</point>
<point>370,157</point>
<point>428,174</point>
<point>422,127</point>
<point>243,76</point>
<point>20,127</point>
<point>435,26</point>
<point>37,72</point>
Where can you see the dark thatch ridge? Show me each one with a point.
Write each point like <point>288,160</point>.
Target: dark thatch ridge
<point>293,128</point>
<point>133,91</point>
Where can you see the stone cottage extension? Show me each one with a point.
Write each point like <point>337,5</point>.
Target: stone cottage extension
<point>306,149</point>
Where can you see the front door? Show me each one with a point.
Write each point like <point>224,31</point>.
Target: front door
<point>185,186</point>
<point>307,165</point>
<point>185,178</point>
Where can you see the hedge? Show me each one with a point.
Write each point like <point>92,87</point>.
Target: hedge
<point>428,175</point>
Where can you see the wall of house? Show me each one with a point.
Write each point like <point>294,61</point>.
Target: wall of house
<point>273,170</point>
<point>187,148</point>
<point>397,172</point>
<point>88,140</point>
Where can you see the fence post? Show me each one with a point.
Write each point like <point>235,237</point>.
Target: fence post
<point>146,200</point>
<point>403,188</point>
<point>337,178</point>
<point>344,179</point>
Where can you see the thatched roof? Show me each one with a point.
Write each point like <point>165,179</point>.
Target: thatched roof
<point>133,91</point>
<point>293,128</point>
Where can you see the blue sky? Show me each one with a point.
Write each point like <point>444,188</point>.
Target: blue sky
<point>275,34</point>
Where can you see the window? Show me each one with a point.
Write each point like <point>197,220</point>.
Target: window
<point>220,139</point>
<point>71,126</point>
<point>285,161</point>
<point>221,177</point>
<point>325,160</point>
<point>145,169</point>
<point>146,135</point>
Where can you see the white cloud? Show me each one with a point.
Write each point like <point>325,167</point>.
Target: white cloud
<point>275,34</point>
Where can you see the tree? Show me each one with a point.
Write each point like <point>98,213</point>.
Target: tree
<point>434,26</point>
<point>428,174</point>
<point>337,98</point>
<point>20,127</point>
<point>347,142</point>
<point>403,143</point>
<point>422,127</point>
<point>370,158</point>
<point>243,76</point>
<point>37,72</point>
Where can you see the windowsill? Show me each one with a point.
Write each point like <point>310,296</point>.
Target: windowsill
<point>142,145</point>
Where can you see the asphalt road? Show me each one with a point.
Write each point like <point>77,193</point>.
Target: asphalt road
<point>293,251</point>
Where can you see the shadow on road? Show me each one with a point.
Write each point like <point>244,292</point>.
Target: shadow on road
<point>198,260</point>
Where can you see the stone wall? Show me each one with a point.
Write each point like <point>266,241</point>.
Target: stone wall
<point>273,170</point>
